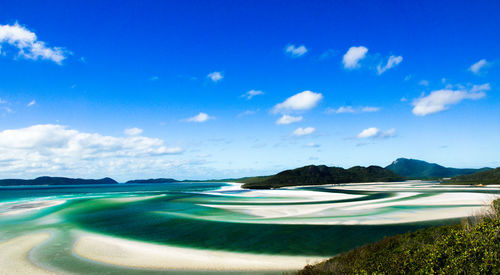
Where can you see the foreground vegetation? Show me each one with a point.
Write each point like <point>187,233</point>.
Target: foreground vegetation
<point>321,174</point>
<point>472,247</point>
<point>481,178</point>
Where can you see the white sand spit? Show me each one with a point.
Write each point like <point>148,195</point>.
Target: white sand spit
<point>14,255</point>
<point>8,209</point>
<point>122,252</point>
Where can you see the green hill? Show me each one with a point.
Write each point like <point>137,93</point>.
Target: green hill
<point>484,177</point>
<point>419,169</point>
<point>317,175</point>
<point>472,247</point>
<point>55,181</point>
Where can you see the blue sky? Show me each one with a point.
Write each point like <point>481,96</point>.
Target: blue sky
<point>214,89</point>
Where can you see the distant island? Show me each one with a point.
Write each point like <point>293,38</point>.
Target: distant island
<point>322,174</point>
<point>419,169</point>
<point>398,170</point>
<point>55,181</point>
<point>480,178</point>
<point>159,180</point>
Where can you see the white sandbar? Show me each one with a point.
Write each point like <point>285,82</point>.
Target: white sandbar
<point>122,252</point>
<point>14,255</point>
<point>7,209</point>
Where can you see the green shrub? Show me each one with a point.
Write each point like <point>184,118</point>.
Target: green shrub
<point>455,249</point>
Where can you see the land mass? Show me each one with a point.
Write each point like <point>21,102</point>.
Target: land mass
<point>419,169</point>
<point>400,169</point>
<point>55,181</point>
<point>468,248</point>
<point>480,178</point>
<point>322,174</point>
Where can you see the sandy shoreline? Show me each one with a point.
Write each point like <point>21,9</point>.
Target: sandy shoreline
<point>14,255</point>
<point>127,253</point>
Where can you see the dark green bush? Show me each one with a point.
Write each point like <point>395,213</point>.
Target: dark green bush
<point>456,249</point>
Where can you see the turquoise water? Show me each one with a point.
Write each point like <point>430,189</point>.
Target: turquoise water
<point>202,215</point>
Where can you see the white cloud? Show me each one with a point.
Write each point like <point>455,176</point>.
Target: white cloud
<point>133,131</point>
<point>350,109</point>
<point>201,117</point>
<point>391,63</point>
<point>286,119</point>
<point>28,45</point>
<point>340,110</point>
<point>299,102</point>
<point>31,103</point>
<point>295,51</point>
<point>369,109</point>
<point>353,56</point>
<point>154,78</point>
<point>370,132</point>
<point>248,95</point>
<point>440,100</point>
<point>303,131</point>
<point>54,150</point>
<point>376,133</point>
<point>215,76</point>
<point>480,88</point>
<point>476,67</point>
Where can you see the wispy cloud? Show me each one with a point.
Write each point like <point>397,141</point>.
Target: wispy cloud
<point>350,109</point>
<point>133,131</point>
<point>476,67</point>
<point>215,76</point>
<point>441,100</point>
<point>353,56</point>
<point>250,94</point>
<point>374,132</point>
<point>391,63</point>
<point>31,103</point>
<point>328,54</point>
<point>312,145</point>
<point>299,102</point>
<point>294,51</point>
<point>247,113</point>
<point>369,109</point>
<point>201,117</point>
<point>28,45</point>
<point>303,131</point>
<point>423,82</point>
<point>286,119</point>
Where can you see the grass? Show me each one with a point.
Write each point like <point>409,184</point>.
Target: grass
<point>472,247</point>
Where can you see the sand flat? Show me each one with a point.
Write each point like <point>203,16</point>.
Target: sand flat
<point>14,255</point>
<point>136,254</point>
<point>8,209</point>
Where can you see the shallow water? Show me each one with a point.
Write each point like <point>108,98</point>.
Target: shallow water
<point>316,221</point>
